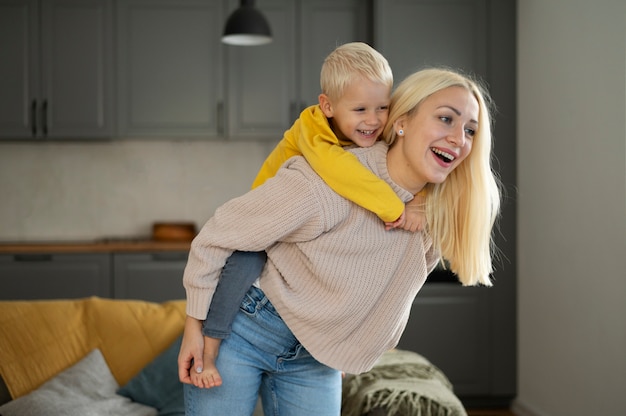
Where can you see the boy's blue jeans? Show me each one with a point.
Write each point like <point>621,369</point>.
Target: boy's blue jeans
<point>239,273</point>
<point>262,355</point>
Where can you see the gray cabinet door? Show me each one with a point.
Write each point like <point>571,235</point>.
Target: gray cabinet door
<point>324,25</point>
<point>155,277</point>
<point>77,69</point>
<point>54,276</point>
<point>170,68</point>
<point>413,34</point>
<point>19,67</point>
<point>262,79</point>
<point>56,69</point>
<point>449,325</point>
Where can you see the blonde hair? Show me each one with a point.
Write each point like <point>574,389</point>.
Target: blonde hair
<point>462,210</point>
<point>349,61</point>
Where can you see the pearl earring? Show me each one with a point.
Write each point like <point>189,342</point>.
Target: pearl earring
<point>400,132</point>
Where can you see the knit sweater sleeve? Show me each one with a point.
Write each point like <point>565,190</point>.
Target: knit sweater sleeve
<point>285,208</point>
<point>341,170</point>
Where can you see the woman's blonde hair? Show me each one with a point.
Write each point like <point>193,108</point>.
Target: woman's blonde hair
<point>462,210</point>
<point>350,61</point>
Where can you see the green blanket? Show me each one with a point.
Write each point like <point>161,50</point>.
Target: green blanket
<point>403,383</point>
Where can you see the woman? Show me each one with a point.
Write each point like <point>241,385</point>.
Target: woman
<point>337,288</point>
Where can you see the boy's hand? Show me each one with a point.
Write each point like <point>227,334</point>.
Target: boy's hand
<point>413,218</point>
<point>399,223</point>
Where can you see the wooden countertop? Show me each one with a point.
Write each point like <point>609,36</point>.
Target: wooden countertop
<point>96,246</point>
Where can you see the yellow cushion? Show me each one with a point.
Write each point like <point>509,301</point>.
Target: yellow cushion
<point>39,339</point>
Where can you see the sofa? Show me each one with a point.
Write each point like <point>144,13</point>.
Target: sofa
<point>96,356</point>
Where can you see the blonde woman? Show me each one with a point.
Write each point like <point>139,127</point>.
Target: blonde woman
<point>337,289</point>
<point>356,83</point>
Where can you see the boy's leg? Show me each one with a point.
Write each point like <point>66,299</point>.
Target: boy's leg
<point>239,273</point>
<point>259,340</point>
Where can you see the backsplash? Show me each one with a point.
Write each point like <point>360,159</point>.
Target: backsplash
<point>67,191</point>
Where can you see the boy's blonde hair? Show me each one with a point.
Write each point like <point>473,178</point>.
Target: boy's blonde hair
<point>462,210</point>
<point>350,61</point>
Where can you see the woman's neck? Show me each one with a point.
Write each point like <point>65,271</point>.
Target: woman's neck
<point>400,172</point>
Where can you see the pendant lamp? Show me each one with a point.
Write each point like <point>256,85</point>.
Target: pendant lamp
<point>246,26</point>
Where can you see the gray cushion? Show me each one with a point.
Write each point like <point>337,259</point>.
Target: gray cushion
<point>85,389</point>
<point>157,384</point>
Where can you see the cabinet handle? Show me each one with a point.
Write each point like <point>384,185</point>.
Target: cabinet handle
<point>44,117</point>
<point>32,257</point>
<point>220,118</point>
<point>33,117</point>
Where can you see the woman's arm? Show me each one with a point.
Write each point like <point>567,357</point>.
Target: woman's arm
<point>285,208</point>
<point>190,350</point>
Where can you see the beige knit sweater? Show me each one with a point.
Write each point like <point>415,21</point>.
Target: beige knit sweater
<point>343,284</point>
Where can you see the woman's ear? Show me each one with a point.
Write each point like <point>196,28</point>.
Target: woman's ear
<point>399,124</point>
<point>325,105</point>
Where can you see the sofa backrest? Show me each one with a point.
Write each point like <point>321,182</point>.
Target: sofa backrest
<point>39,339</point>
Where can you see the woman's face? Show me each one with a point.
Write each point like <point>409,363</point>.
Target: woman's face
<point>435,140</point>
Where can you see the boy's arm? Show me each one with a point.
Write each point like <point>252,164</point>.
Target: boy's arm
<point>347,176</point>
<point>285,149</point>
<point>342,171</point>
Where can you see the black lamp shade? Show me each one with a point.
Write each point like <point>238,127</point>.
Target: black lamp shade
<point>246,26</point>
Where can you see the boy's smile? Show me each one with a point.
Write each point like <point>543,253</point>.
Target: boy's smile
<point>360,114</point>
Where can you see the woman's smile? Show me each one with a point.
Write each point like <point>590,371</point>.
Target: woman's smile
<point>436,139</point>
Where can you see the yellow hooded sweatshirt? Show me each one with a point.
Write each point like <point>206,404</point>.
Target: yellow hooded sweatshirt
<point>311,137</point>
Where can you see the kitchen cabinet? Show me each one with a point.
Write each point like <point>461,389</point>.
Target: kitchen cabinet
<point>413,34</point>
<point>54,276</point>
<point>449,324</point>
<point>56,69</point>
<point>469,332</point>
<point>269,85</point>
<point>156,277</point>
<point>170,68</point>
<point>177,80</point>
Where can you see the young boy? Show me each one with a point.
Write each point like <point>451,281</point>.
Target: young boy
<point>356,83</point>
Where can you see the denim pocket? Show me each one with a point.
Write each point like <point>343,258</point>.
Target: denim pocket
<point>254,301</point>
<point>262,326</point>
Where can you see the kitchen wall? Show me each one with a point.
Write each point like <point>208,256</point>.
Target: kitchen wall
<point>571,207</point>
<point>83,191</point>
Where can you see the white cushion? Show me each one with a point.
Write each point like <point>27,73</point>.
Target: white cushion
<point>85,389</point>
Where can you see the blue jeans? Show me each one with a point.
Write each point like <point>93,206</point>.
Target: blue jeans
<point>263,356</point>
<point>239,273</point>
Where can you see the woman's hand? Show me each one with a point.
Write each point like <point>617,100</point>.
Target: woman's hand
<point>191,350</point>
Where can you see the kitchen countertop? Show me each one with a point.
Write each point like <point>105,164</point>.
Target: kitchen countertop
<point>95,246</point>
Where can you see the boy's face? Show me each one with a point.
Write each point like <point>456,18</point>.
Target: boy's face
<point>360,113</point>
